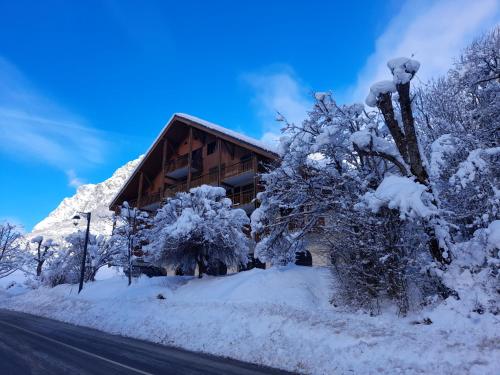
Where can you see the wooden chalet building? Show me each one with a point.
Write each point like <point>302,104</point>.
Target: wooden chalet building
<point>190,152</point>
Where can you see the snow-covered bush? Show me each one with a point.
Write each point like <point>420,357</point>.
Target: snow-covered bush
<point>62,268</point>
<point>65,266</point>
<point>198,228</point>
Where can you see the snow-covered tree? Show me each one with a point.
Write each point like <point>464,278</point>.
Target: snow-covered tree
<point>198,228</point>
<point>128,236</point>
<point>459,120</point>
<point>338,154</point>
<point>65,266</point>
<point>99,253</point>
<point>43,251</point>
<point>421,169</point>
<point>10,249</point>
<point>401,125</point>
<point>316,156</point>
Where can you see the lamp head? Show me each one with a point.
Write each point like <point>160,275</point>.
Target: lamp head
<point>76,219</point>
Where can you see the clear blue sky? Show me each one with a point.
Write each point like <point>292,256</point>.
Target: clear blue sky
<point>86,86</point>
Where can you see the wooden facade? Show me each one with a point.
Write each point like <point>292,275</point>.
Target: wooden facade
<point>191,152</point>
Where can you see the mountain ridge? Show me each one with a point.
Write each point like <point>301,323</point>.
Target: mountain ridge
<point>94,198</point>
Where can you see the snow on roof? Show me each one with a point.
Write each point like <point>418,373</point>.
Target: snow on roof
<point>229,132</point>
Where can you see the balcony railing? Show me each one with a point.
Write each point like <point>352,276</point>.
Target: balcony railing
<point>243,197</point>
<point>178,188</point>
<point>178,163</point>
<point>238,168</point>
<point>183,160</point>
<point>238,199</point>
<point>149,199</point>
<point>206,179</point>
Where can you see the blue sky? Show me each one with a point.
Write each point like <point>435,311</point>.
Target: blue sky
<point>86,86</point>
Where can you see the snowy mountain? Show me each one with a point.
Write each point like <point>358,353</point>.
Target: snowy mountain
<point>90,197</point>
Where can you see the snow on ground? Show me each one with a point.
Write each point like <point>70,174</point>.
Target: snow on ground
<point>13,284</point>
<point>279,317</point>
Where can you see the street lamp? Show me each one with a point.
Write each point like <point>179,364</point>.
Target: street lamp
<point>76,219</point>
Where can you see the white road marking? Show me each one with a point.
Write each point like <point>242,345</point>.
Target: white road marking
<point>76,349</point>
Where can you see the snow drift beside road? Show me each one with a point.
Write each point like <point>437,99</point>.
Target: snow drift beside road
<point>279,317</point>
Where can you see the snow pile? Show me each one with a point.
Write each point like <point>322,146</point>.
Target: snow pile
<point>403,69</point>
<point>401,193</point>
<point>90,197</point>
<point>280,317</point>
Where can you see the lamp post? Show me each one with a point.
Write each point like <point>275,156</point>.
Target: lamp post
<point>76,219</point>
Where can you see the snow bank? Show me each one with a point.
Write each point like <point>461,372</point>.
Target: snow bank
<point>280,317</point>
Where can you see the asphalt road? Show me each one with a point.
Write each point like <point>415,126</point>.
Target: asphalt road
<point>33,345</point>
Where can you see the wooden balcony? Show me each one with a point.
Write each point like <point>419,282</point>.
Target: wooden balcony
<point>233,176</point>
<point>178,188</point>
<point>151,201</point>
<point>206,179</point>
<point>242,198</point>
<point>178,168</point>
<point>241,173</point>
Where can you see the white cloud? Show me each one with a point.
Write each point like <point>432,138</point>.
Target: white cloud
<point>37,129</point>
<point>434,32</point>
<point>73,179</point>
<point>277,90</point>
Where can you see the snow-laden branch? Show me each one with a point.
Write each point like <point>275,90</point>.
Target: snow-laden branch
<point>476,162</point>
<point>401,193</point>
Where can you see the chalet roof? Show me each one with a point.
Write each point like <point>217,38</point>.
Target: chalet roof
<point>228,134</point>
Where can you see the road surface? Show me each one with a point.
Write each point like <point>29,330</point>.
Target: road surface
<point>33,345</point>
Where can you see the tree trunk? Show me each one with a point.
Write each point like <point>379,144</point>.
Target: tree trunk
<point>416,165</point>
<point>200,268</point>
<point>385,105</point>
<point>39,267</point>
<point>407,144</point>
<point>437,252</point>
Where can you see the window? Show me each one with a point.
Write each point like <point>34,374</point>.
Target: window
<point>210,148</point>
